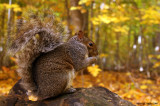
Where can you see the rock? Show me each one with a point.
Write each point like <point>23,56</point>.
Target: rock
<point>94,96</point>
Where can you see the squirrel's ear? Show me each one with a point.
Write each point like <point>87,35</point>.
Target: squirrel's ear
<point>80,34</point>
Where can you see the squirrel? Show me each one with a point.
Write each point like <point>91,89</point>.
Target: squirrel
<point>46,64</point>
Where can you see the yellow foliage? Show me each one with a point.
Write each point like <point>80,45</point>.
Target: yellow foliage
<point>94,70</point>
<point>147,82</point>
<point>143,87</point>
<point>156,65</point>
<point>86,2</point>
<point>95,21</point>
<point>123,18</point>
<point>158,56</point>
<point>151,16</point>
<point>75,8</point>
<point>133,94</point>
<point>13,59</point>
<point>90,85</point>
<point>7,73</point>
<point>6,85</point>
<point>107,19</point>
<point>117,82</point>
<point>105,7</point>
<point>101,84</point>
<point>137,18</point>
<point>83,10</point>
<point>16,8</point>
<point>103,55</point>
<point>123,29</point>
<point>128,73</point>
<point>150,56</point>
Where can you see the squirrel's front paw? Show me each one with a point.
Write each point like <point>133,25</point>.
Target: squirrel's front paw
<point>92,60</point>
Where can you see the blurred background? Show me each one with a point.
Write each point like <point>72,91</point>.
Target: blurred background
<point>127,34</point>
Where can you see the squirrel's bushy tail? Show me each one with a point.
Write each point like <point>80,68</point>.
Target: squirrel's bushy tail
<point>35,37</point>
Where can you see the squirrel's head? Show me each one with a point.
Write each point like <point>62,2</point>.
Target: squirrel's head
<point>92,49</point>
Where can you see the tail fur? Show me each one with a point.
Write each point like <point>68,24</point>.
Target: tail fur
<point>36,36</point>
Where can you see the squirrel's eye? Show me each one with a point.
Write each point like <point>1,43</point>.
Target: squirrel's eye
<point>90,44</point>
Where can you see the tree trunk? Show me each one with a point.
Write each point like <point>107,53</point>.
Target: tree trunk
<point>129,50</point>
<point>117,59</point>
<point>10,24</point>
<point>134,59</point>
<point>2,31</point>
<point>79,20</point>
<point>76,16</point>
<point>68,18</point>
<point>91,16</point>
<point>85,22</point>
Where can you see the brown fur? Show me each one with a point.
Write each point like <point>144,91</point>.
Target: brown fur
<point>47,65</point>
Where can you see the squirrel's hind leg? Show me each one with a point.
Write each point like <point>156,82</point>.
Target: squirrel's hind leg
<point>71,76</point>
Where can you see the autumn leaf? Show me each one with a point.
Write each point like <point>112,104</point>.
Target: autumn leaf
<point>15,7</point>
<point>122,29</point>
<point>94,70</point>
<point>86,2</point>
<point>106,19</point>
<point>143,87</point>
<point>13,59</point>
<point>5,69</point>
<point>75,8</point>
<point>103,55</point>
<point>156,65</point>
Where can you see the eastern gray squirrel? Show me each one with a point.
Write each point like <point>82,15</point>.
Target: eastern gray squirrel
<point>46,64</point>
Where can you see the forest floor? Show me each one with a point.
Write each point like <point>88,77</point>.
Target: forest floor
<point>134,87</point>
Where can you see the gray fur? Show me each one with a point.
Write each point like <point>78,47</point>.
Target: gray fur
<point>47,65</point>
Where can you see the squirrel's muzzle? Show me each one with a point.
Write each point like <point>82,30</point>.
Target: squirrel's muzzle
<point>93,52</point>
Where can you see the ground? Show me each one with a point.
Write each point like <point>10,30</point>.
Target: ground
<point>134,87</point>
